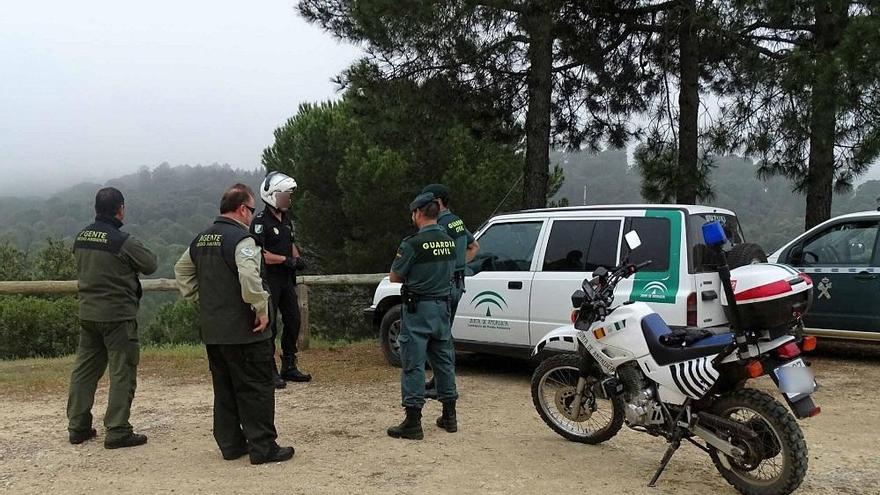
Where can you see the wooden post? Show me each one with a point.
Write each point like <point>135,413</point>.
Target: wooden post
<point>302,292</point>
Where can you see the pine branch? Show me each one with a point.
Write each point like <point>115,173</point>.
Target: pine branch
<point>776,39</point>
<point>506,5</point>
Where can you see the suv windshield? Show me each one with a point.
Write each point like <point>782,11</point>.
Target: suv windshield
<point>701,256</point>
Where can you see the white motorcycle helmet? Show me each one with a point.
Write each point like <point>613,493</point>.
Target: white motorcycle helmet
<point>274,184</point>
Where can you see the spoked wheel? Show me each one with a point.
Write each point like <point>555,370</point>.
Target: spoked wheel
<point>775,462</point>
<point>554,393</point>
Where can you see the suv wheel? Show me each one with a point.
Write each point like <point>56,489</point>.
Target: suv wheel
<point>389,330</point>
<point>744,254</point>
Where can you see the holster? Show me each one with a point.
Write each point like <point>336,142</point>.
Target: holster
<point>458,280</point>
<point>410,300</point>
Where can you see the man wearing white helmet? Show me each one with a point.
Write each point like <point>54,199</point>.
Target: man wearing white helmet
<point>273,230</point>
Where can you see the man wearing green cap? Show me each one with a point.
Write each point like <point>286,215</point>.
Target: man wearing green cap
<point>466,248</point>
<point>424,265</point>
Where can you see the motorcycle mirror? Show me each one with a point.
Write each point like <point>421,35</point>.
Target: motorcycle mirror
<point>633,240</point>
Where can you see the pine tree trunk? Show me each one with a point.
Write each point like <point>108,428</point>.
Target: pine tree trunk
<point>830,19</point>
<point>688,106</point>
<point>536,171</point>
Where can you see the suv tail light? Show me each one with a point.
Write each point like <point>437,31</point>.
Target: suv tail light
<point>692,309</point>
<point>574,316</point>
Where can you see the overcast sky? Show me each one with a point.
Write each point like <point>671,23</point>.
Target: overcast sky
<point>96,88</point>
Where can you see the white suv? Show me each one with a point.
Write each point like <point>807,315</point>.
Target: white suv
<point>530,262</point>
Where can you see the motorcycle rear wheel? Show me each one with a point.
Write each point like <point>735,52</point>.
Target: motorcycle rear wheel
<point>554,385</point>
<point>776,461</point>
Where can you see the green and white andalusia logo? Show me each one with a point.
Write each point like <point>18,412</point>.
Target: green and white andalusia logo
<point>489,298</point>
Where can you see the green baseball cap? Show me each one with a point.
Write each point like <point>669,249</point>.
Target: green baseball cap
<point>421,200</point>
<point>438,190</point>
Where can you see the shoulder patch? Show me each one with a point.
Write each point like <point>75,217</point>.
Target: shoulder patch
<point>258,228</point>
<point>248,252</point>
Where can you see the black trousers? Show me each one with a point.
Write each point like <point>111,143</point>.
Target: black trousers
<point>244,398</point>
<point>282,295</point>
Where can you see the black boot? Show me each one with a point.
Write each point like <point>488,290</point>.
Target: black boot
<point>82,436</point>
<point>411,427</point>
<point>431,389</point>
<point>290,372</point>
<point>130,440</point>
<point>448,421</point>
<point>279,454</point>
<point>276,378</point>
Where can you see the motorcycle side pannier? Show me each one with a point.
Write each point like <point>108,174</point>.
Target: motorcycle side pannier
<point>769,296</point>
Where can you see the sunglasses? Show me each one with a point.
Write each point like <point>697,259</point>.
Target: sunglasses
<point>252,210</point>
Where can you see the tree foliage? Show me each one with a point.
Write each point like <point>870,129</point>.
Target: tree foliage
<point>359,162</point>
<point>554,65</point>
<point>803,93</point>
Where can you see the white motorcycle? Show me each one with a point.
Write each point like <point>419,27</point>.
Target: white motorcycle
<point>689,384</point>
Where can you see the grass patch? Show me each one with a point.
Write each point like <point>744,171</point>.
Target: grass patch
<point>327,361</point>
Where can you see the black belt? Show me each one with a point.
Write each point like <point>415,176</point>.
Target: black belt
<point>431,298</point>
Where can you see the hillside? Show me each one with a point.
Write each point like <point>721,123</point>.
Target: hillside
<point>167,205</point>
<point>769,211</point>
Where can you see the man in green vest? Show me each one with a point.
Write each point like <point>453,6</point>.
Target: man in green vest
<point>108,262</point>
<point>221,273</point>
<point>466,248</point>
<point>424,265</point>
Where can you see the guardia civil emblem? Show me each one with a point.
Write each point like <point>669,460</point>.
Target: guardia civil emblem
<point>258,228</point>
<point>824,288</point>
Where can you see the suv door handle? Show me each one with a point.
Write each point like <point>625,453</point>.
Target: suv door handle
<point>866,276</point>
<point>514,285</point>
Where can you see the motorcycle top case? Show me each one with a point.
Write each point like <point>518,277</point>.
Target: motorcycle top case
<point>769,296</point>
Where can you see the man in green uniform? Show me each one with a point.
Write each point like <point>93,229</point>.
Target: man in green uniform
<point>221,272</point>
<point>108,262</point>
<point>466,248</point>
<point>424,265</point>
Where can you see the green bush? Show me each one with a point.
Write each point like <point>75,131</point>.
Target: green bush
<point>175,323</point>
<point>37,327</point>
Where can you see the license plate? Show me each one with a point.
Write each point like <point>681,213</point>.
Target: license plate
<point>795,379</point>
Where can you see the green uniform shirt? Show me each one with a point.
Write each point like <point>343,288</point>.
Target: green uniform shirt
<point>426,261</point>
<point>108,262</point>
<point>456,229</point>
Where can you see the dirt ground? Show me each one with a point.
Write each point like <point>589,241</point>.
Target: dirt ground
<point>338,429</point>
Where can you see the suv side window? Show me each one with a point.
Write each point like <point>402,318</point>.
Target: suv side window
<point>506,247</point>
<point>655,233</point>
<point>846,244</point>
<point>581,245</point>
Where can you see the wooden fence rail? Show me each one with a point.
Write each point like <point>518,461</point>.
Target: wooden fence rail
<point>169,285</point>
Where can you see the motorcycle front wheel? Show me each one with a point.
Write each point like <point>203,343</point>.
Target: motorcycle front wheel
<point>775,462</point>
<point>554,392</point>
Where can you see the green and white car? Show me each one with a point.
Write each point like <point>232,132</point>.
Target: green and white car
<point>530,262</point>
<point>842,257</point>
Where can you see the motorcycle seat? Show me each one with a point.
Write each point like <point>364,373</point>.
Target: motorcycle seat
<point>653,327</point>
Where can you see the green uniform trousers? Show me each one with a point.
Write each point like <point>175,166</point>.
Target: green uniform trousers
<point>244,398</point>
<point>426,334</point>
<point>102,343</point>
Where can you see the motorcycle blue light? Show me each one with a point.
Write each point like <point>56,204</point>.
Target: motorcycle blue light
<point>713,234</point>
